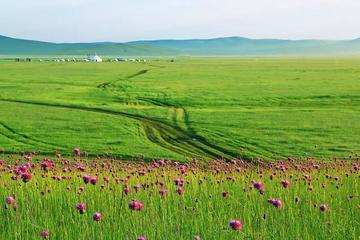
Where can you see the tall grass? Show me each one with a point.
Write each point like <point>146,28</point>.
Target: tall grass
<point>48,201</point>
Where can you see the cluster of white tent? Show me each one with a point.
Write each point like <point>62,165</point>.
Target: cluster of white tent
<point>61,60</point>
<point>126,60</point>
<point>94,58</point>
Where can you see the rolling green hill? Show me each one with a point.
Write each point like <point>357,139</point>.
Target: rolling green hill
<point>236,46</point>
<point>12,46</point>
<point>246,46</point>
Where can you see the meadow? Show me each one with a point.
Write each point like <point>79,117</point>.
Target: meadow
<point>204,108</point>
<point>196,148</point>
<point>80,197</point>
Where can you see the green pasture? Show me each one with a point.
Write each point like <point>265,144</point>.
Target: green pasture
<point>193,107</point>
<point>48,204</point>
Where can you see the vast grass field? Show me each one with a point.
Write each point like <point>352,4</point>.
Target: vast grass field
<point>267,108</point>
<point>86,198</point>
<point>250,147</point>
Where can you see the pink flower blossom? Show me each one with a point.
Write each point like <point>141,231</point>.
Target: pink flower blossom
<point>44,234</point>
<point>77,151</point>
<point>180,190</point>
<point>163,192</point>
<point>236,225</point>
<point>258,185</point>
<point>10,199</point>
<point>81,207</point>
<point>26,177</point>
<point>87,178</point>
<point>324,208</point>
<point>127,191</point>
<point>97,217</point>
<point>135,205</point>
<point>285,183</point>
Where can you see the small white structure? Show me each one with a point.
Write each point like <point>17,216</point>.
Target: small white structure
<point>95,58</point>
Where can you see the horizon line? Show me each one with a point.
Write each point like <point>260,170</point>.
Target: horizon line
<point>180,39</point>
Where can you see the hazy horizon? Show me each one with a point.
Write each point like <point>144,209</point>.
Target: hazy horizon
<point>180,39</point>
<point>122,21</point>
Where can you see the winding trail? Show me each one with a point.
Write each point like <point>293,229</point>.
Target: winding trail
<point>25,139</point>
<point>180,115</point>
<point>177,136</point>
<point>107,84</point>
<point>161,133</point>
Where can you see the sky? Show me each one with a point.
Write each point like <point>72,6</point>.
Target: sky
<point>127,20</point>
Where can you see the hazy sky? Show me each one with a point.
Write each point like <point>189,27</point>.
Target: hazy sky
<point>120,20</point>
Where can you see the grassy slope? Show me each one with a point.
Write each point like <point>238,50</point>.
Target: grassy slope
<point>235,46</point>
<point>11,46</point>
<point>199,107</point>
<point>245,46</point>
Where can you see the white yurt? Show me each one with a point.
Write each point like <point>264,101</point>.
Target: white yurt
<point>95,58</point>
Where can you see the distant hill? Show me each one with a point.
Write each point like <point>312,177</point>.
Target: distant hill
<point>246,46</point>
<point>218,46</point>
<point>13,46</point>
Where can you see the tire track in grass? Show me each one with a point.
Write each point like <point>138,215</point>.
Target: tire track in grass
<point>151,133</point>
<point>181,113</point>
<point>107,84</point>
<point>26,139</point>
<point>178,112</point>
<point>9,136</point>
<point>192,132</point>
<point>253,147</point>
<point>160,133</point>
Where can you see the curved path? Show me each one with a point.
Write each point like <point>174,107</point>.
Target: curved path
<point>180,120</point>
<point>107,84</point>
<point>13,135</point>
<point>170,137</point>
<point>177,136</point>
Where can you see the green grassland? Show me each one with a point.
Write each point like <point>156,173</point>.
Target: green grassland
<point>193,107</point>
<point>48,201</point>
